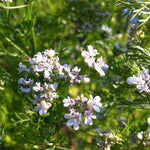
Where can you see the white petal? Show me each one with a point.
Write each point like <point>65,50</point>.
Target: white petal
<point>70,122</point>
<point>96,108</point>
<point>85,121</point>
<point>66,104</point>
<point>65,100</point>
<point>90,48</point>
<point>90,122</point>
<point>93,117</point>
<point>76,126</point>
<point>21,81</point>
<point>97,99</point>
<point>86,79</point>
<point>98,104</point>
<point>46,74</point>
<point>55,85</point>
<point>43,111</point>
<point>148,121</point>
<point>68,116</point>
<point>34,102</point>
<point>140,135</point>
<point>132,80</point>
<point>37,108</point>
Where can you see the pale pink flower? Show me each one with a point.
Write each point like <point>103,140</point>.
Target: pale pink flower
<point>88,117</point>
<point>42,107</point>
<point>74,119</point>
<point>95,103</point>
<point>68,102</point>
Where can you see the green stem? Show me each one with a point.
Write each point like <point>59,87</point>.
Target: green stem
<point>14,7</point>
<point>17,47</point>
<point>29,9</point>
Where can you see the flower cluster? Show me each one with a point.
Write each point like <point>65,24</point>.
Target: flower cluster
<point>106,31</point>
<point>131,32</point>
<point>142,81</point>
<point>79,107</point>
<point>41,78</point>
<point>107,139</point>
<point>94,25</point>
<point>89,58</point>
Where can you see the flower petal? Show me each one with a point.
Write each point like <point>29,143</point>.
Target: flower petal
<point>76,126</point>
<point>70,122</point>
<point>85,121</point>
<point>90,122</point>
<point>96,108</point>
<point>93,117</point>
<point>37,108</point>
<point>66,104</point>
<point>148,121</point>
<point>97,99</point>
<point>68,116</point>
<point>43,111</point>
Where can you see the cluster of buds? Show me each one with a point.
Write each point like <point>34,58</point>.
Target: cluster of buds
<point>89,58</point>
<point>41,78</point>
<point>132,33</point>
<point>142,81</point>
<point>107,139</point>
<point>79,107</point>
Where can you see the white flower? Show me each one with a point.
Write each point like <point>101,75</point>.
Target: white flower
<point>24,82</point>
<point>140,135</point>
<point>38,58</point>
<point>68,102</point>
<point>135,80</point>
<point>88,117</point>
<point>142,88</point>
<point>37,87</point>
<point>22,68</point>
<point>21,81</point>
<point>46,74</point>
<point>38,68</point>
<point>53,95</point>
<point>76,70</point>
<point>100,66</point>
<point>53,87</point>
<point>49,53</point>
<point>42,107</point>
<point>67,68</point>
<point>90,61</point>
<point>92,52</point>
<point>25,90</point>
<point>74,120</point>
<point>95,103</point>
<point>145,74</point>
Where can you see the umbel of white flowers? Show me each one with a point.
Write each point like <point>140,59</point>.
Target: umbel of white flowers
<point>47,68</point>
<point>81,107</point>
<point>142,81</point>
<point>89,58</point>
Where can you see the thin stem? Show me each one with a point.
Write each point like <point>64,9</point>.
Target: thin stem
<point>29,9</point>
<point>14,7</point>
<point>18,48</point>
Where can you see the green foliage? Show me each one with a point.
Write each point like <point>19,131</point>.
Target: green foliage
<point>28,27</point>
